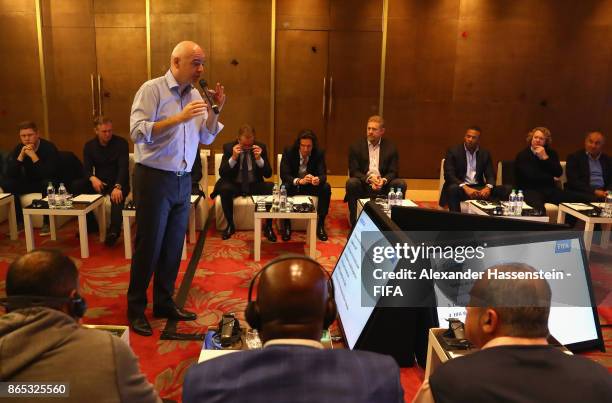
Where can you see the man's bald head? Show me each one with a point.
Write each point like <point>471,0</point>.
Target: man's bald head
<point>292,297</point>
<point>186,62</point>
<point>44,273</point>
<point>512,307</point>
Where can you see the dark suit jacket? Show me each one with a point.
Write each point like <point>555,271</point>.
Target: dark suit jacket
<point>579,174</point>
<point>359,160</point>
<point>227,173</point>
<point>533,173</point>
<point>296,374</point>
<point>455,165</point>
<point>290,165</point>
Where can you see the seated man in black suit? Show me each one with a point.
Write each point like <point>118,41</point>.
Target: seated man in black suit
<point>303,172</point>
<point>106,165</point>
<point>508,320</point>
<point>373,166</point>
<point>30,167</point>
<point>243,168</point>
<point>295,303</point>
<point>468,172</point>
<point>536,168</point>
<point>589,171</point>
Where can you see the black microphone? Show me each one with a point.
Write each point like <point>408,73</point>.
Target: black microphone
<point>204,86</point>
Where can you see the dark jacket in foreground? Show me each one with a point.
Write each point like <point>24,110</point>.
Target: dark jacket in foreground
<point>296,374</point>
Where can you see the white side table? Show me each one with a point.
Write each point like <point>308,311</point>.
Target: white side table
<point>311,229</point>
<point>7,199</point>
<point>589,225</point>
<point>79,210</point>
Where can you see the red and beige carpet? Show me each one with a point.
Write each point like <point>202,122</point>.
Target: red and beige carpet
<point>220,285</point>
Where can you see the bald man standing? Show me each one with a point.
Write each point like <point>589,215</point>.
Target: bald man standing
<point>168,120</point>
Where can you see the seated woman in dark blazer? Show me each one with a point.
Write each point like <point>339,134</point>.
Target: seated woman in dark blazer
<point>536,168</point>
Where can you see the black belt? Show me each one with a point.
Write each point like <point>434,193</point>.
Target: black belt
<point>175,173</point>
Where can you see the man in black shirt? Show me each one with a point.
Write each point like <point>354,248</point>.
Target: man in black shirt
<point>508,320</point>
<point>31,166</point>
<point>105,160</point>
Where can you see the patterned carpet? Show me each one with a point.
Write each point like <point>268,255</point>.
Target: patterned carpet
<point>220,285</point>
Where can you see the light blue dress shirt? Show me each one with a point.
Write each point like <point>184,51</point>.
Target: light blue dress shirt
<point>175,148</point>
<point>597,179</point>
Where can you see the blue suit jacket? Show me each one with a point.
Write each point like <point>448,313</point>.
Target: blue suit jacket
<point>283,373</point>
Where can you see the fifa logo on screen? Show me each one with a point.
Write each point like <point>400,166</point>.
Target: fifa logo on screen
<point>563,246</point>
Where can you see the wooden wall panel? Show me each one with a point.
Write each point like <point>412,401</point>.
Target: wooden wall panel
<point>240,60</point>
<point>20,98</point>
<point>70,59</point>
<point>419,81</point>
<point>236,30</point>
<point>507,65</point>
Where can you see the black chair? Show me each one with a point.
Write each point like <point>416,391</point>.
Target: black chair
<point>70,169</point>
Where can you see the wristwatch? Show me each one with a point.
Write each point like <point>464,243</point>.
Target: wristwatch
<point>118,186</point>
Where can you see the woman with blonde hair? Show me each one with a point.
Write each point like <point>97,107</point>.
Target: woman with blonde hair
<point>536,168</point>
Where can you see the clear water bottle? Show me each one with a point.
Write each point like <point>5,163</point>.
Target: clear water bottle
<point>512,203</point>
<point>399,196</point>
<point>519,203</point>
<point>275,198</point>
<point>51,195</point>
<point>60,198</point>
<point>282,200</point>
<point>391,198</point>
<point>608,206</point>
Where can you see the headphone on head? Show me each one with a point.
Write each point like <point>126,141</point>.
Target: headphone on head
<point>76,305</point>
<point>252,313</point>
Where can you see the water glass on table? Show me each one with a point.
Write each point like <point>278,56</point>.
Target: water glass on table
<point>68,201</point>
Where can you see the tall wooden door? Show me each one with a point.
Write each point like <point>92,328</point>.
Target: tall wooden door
<point>328,56</point>
<point>301,85</point>
<point>121,58</point>
<point>95,58</point>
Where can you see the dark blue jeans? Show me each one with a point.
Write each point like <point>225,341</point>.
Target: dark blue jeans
<point>162,211</point>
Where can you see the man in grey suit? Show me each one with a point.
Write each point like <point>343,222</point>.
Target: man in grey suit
<point>295,302</point>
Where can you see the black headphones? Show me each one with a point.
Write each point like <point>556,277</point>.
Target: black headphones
<point>251,313</point>
<point>76,305</point>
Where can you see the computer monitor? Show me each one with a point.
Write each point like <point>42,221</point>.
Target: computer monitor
<point>576,327</point>
<point>399,332</point>
<point>347,279</point>
<point>573,319</point>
